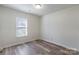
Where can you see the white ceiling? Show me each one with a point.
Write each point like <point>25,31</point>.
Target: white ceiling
<point>46,9</point>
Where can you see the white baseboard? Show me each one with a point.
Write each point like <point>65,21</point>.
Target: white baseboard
<point>16,44</point>
<point>61,45</point>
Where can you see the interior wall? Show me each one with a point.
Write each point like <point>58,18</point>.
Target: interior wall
<point>62,27</point>
<point>8,27</point>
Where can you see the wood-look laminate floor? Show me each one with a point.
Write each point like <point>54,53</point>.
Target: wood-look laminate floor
<point>38,47</point>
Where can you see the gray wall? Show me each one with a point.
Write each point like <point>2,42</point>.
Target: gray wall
<point>8,27</point>
<point>62,27</point>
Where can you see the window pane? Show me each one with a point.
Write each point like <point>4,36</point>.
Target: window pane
<point>21,22</point>
<point>21,32</point>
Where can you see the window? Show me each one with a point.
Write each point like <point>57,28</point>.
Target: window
<point>21,27</point>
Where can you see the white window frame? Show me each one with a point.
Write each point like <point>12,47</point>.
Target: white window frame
<point>21,26</point>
